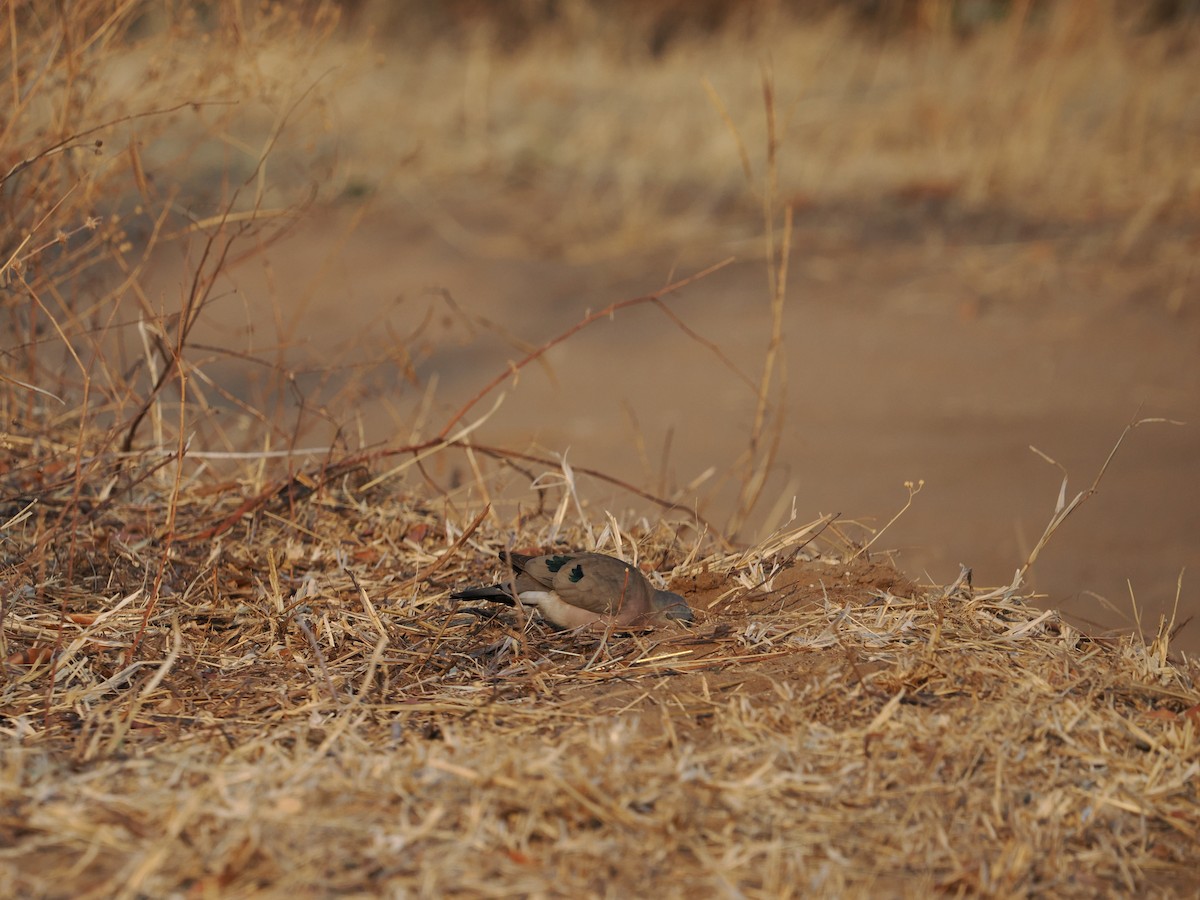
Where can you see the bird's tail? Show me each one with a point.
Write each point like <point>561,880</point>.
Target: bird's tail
<point>495,593</point>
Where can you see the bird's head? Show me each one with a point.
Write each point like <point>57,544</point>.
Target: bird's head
<point>673,606</point>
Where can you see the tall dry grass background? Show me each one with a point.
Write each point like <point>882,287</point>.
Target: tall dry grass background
<point>229,662</point>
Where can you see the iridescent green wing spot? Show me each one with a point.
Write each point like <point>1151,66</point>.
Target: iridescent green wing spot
<point>554,563</point>
<point>576,574</point>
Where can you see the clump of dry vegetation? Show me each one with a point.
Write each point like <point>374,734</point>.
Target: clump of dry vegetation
<point>299,706</point>
<point>234,670</point>
<point>1070,122</point>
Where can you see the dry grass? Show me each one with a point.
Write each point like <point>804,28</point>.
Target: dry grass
<point>300,709</point>
<point>1058,121</point>
<point>233,674</point>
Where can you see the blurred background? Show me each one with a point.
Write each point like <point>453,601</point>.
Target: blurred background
<point>958,230</point>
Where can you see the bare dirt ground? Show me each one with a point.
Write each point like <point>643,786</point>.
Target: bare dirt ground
<point>919,346</point>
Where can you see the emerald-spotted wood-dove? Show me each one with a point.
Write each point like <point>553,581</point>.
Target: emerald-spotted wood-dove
<point>575,589</point>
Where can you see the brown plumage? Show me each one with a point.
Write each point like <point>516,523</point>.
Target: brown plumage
<point>574,589</point>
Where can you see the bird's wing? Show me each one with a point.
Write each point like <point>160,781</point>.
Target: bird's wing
<point>603,585</point>
<point>542,570</point>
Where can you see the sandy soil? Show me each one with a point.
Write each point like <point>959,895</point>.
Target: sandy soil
<point>919,345</point>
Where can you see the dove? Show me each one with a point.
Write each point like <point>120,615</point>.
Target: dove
<point>571,590</point>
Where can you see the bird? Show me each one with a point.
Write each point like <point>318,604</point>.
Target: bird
<point>571,590</point>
